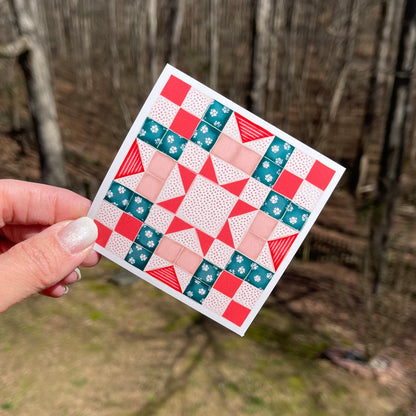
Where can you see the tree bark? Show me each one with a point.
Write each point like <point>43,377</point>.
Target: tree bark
<point>176,22</point>
<point>152,15</point>
<point>393,150</point>
<point>378,71</point>
<point>214,43</point>
<point>260,57</point>
<point>41,98</point>
<point>343,73</point>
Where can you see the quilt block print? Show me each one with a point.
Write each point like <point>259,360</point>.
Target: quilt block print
<point>207,202</point>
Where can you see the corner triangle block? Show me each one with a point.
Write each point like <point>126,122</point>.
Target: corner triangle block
<point>132,163</point>
<point>280,247</point>
<point>250,131</point>
<point>167,276</point>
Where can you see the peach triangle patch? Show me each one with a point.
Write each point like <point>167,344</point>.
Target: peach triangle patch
<point>260,146</point>
<point>226,173</point>
<point>173,186</point>
<point>188,238</point>
<point>146,153</point>
<point>131,181</point>
<point>265,258</point>
<point>239,226</point>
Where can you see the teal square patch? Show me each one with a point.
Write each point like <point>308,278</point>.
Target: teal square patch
<point>205,136</point>
<point>295,216</point>
<point>239,265</point>
<point>138,256</point>
<point>207,272</point>
<point>259,276</point>
<point>119,195</point>
<point>139,207</point>
<point>197,290</point>
<point>267,172</point>
<point>172,144</point>
<point>148,238</point>
<point>279,151</point>
<point>152,132</point>
<point>275,205</point>
<point>217,115</point>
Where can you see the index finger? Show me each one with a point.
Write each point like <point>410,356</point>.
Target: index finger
<point>32,203</point>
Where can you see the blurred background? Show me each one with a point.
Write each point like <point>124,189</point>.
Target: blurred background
<point>337,337</point>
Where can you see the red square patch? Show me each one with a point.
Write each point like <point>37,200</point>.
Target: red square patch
<point>287,184</point>
<point>184,124</point>
<point>236,313</point>
<point>104,234</point>
<point>128,226</point>
<point>320,175</point>
<point>227,284</point>
<point>175,90</point>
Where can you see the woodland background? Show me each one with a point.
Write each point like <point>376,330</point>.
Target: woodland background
<point>337,337</point>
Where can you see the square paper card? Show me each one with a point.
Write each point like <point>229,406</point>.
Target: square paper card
<point>208,202</point>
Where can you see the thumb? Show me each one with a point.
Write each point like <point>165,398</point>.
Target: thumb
<point>44,259</point>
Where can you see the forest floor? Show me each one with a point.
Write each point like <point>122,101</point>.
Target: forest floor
<point>108,350</point>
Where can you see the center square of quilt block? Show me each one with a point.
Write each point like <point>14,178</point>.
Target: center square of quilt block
<point>207,206</point>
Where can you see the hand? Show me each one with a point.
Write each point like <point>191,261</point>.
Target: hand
<point>40,247</point>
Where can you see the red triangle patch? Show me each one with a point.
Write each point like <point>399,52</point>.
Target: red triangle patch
<point>225,235</point>
<point>241,208</point>
<point>168,276</point>
<point>172,205</point>
<point>208,171</point>
<point>187,176</point>
<point>236,187</point>
<point>132,163</point>
<point>178,225</point>
<point>280,247</point>
<point>205,241</point>
<point>250,131</point>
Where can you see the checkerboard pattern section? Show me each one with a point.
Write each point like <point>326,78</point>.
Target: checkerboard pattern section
<point>207,202</point>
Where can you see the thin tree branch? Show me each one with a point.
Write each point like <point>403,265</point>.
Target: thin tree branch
<point>15,48</point>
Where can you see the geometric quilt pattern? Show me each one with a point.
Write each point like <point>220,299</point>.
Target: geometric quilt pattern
<point>206,201</point>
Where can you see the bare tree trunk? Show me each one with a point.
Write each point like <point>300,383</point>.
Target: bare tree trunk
<point>260,57</point>
<point>152,15</point>
<point>214,43</point>
<point>275,37</point>
<point>378,63</point>
<point>287,62</point>
<point>115,60</point>
<point>393,149</point>
<point>343,73</point>
<point>176,22</point>
<point>41,98</point>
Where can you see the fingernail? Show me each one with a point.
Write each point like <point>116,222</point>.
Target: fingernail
<point>78,235</point>
<point>66,290</point>
<point>78,272</point>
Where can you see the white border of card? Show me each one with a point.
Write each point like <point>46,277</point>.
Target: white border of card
<point>125,147</point>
